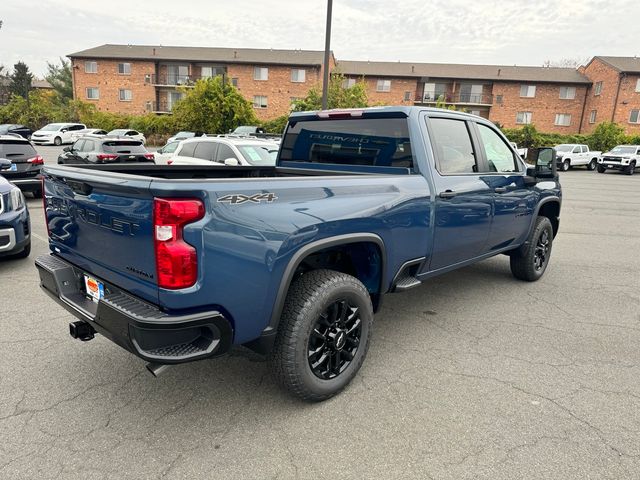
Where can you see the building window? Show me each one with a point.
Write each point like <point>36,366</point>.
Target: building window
<point>91,67</point>
<point>597,90</point>
<point>348,82</point>
<point>407,96</point>
<point>298,75</point>
<point>528,91</point>
<point>259,101</point>
<point>93,93</point>
<point>383,86</point>
<point>592,116</point>
<point>638,86</point>
<point>523,118</point>
<point>125,95</point>
<point>634,116</point>
<point>563,119</point>
<point>234,81</point>
<point>261,73</point>
<point>567,93</point>
<point>499,99</point>
<point>124,68</point>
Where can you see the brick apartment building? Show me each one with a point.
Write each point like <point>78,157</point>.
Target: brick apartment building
<point>139,79</point>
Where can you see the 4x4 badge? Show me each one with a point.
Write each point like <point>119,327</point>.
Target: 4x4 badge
<point>238,198</point>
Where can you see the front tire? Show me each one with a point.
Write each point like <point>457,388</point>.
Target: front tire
<point>566,165</point>
<point>26,251</point>
<point>323,336</point>
<point>530,264</point>
<point>631,168</point>
<point>592,164</point>
<point>57,141</point>
<point>601,169</point>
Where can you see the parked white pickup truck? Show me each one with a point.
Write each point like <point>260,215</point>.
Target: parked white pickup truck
<point>575,154</point>
<point>521,151</point>
<point>622,157</point>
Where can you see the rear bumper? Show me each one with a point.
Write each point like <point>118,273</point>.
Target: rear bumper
<point>30,184</point>
<point>135,325</point>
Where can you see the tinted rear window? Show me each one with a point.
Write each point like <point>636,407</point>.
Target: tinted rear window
<point>16,150</point>
<point>126,146</point>
<point>379,142</point>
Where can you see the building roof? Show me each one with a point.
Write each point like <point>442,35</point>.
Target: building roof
<point>203,54</point>
<point>622,64</point>
<point>35,83</point>
<point>463,71</point>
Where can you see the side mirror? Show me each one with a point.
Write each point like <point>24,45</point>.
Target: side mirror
<point>64,130</point>
<point>68,149</point>
<point>5,164</point>
<point>544,160</point>
<point>231,162</point>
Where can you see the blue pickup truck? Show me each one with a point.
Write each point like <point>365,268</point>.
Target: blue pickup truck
<point>177,264</point>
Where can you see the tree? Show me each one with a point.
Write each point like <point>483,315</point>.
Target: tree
<point>21,80</point>
<point>339,95</point>
<point>213,105</point>
<point>606,136</point>
<point>59,76</point>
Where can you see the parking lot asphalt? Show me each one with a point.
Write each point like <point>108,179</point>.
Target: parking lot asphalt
<point>473,375</point>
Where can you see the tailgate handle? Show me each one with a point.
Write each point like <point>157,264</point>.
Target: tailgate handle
<point>80,188</point>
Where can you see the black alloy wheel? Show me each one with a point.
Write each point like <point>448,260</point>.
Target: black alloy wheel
<point>334,340</point>
<point>541,254</point>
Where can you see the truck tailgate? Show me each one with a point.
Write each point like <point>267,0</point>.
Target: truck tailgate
<point>103,224</point>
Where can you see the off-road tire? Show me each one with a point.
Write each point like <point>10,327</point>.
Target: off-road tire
<point>309,296</point>
<point>523,261</point>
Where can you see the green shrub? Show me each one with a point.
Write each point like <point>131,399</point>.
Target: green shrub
<point>276,125</point>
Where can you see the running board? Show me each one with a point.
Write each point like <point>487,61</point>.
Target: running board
<point>405,283</point>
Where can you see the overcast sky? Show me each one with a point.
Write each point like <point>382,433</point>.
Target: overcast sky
<point>522,32</point>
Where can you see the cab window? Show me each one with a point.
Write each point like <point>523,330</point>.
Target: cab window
<point>453,147</point>
<point>499,156</point>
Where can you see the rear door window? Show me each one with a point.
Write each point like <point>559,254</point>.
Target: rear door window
<point>453,147</point>
<point>206,151</point>
<point>88,146</point>
<point>375,142</point>
<point>187,149</point>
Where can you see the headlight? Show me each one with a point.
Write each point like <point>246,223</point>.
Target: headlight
<point>17,199</point>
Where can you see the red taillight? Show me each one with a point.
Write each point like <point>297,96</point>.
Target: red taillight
<point>169,162</point>
<point>106,156</point>
<point>37,160</point>
<point>176,260</point>
<point>149,156</point>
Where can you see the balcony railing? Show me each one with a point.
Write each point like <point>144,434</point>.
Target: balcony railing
<point>455,98</point>
<point>160,107</point>
<point>171,79</point>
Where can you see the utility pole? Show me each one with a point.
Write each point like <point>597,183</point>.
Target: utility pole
<point>327,53</point>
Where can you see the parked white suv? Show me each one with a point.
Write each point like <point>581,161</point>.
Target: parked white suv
<point>125,132</point>
<point>574,155</point>
<point>622,157</point>
<point>227,151</point>
<point>56,133</point>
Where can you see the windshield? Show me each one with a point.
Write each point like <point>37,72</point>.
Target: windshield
<point>620,149</point>
<point>245,130</point>
<point>376,142</point>
<point>120,131</point>
<point>184,134</point>
<point>259,155</point>
<point>563,148</point>
<point>52,127</point>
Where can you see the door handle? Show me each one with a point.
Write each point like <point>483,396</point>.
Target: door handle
<point>500,189</point>
<point>447,194</point>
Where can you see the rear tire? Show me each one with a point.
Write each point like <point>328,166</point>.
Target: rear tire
<point>323,336</point>
<point>530,264</point>
<point>566,165</point>
<point>631,168</point>
<point>601,169</point>
<point>592,164</point>
<point>57,141</point>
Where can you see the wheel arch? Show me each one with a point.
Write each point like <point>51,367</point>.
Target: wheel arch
<point>550,208</point>
<point>358,242</point>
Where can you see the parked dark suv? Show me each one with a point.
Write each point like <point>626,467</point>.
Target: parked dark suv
<point>26,164</point>
<point>12,128</point>
<point>105,150</point>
